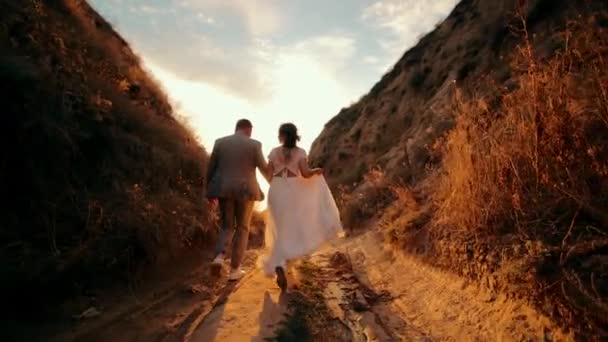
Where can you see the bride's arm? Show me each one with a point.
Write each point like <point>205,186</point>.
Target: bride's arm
<point>270,171</point>
<point>306,171</point>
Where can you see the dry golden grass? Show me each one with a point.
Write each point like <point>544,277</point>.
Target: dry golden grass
<point>520,200</point>
<point>533,163</point>
<point>540,149</point>
<point>367,200</point>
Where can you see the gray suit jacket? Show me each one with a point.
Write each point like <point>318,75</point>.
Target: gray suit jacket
<point>232,165</point>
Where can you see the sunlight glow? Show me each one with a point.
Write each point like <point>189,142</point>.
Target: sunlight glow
<point>303,92</point>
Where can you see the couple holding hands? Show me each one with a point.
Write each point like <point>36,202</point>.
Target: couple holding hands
<point>302,211</point>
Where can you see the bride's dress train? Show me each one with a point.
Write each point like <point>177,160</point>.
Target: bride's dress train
<point>302,217</point>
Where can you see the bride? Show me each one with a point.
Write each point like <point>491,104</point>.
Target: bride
<point>302,212</point>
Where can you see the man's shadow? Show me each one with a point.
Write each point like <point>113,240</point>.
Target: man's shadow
<point>271,317</point>
<point>208,324</point>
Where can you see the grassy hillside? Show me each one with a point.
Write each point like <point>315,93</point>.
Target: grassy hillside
<point>98,178</point>
<point>498,172</point>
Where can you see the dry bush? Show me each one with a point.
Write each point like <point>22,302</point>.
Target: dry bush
<point>533,162</point>
<point>541,148</point>
<point>257,229</point>
<point>403,219</point>
<point>367,201</point>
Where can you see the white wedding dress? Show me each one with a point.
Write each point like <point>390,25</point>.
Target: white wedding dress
<point>302,213</point>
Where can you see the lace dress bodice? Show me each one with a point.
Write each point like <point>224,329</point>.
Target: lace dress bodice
<point>284,167</point>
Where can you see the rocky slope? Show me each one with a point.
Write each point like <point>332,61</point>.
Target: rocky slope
<point>98,177</point>
<point>492,136</point>
<point>395,125</point>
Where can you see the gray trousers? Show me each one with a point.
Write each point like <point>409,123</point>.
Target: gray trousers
<point>235,215</point>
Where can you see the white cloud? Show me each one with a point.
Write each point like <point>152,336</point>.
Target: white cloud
<point>207,49</point>
<point>145,9</point>
<point>373,60</point>
<point>331,51</point>
<point>149,9</point>
<point>262,16</point>
<point>405,21</point>
<point>300,78</point>
<point>202,60</point>
<point>236,68</point>
<point>323,57</point>
<point>205,18</point>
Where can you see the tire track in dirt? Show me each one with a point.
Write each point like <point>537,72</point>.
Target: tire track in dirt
<point>354,290</point>
<point>365,312</point>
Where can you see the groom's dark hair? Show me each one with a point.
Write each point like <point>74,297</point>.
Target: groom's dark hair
<point>243,123</point>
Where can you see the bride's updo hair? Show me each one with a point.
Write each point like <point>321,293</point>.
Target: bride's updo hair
<point>289,132</point>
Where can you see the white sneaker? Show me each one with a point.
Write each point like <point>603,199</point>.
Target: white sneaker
<point>219,259</point>
<point>236,274</point>
<point>216,265</point>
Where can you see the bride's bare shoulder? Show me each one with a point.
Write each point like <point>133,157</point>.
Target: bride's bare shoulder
<point>274,151</point>
<point>302,151</point>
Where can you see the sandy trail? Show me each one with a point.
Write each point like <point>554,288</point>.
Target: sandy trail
<point>370,293</point>
<point>251,313</point>
<point>417,302</point>
<point>444,305</point>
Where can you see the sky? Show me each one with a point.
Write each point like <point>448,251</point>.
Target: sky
<point>271,61</point>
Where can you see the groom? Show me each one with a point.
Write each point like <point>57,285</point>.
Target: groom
<point>231,179</point>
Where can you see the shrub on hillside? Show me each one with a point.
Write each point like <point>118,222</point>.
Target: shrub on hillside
<point>366,202</point>
<point>541,149</point>
<point>533,162</point>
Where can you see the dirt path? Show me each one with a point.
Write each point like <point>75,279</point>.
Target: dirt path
<point>370,293</point>
<point>444,306</point>
<point>356,290</point>
<point>251,313</point>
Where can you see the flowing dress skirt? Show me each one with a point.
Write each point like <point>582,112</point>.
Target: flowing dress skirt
<point>302,217</point>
